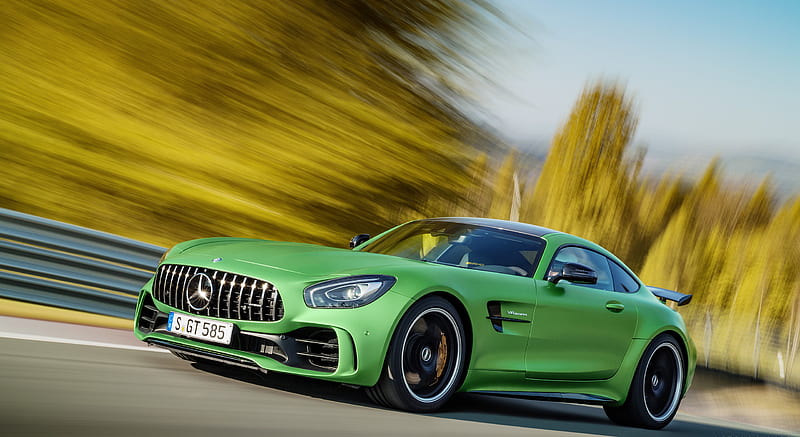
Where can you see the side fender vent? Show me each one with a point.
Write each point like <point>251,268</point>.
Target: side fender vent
<point>497,318</point>
<point>494,315</point>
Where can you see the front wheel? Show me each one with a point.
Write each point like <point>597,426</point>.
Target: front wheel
<point>655,391</point>
<point>425,360</point>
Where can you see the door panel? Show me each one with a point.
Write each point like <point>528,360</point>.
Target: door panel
<point>579,332</point>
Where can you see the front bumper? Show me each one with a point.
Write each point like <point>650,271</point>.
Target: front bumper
<point>342,345</point>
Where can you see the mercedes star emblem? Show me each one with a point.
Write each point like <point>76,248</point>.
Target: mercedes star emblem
<point>198,291</point>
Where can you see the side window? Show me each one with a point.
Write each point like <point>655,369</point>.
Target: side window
<point>500,253</point>
<point>623,281</point>
<point>599,263</point>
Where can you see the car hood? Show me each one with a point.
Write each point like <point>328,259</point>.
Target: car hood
<point>298,258</point>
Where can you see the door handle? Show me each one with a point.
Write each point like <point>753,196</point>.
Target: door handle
<point>615,306</point>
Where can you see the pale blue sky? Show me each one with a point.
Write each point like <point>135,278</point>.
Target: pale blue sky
<point>718,77</point>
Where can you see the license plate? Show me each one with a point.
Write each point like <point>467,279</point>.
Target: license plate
<point>200,328</point>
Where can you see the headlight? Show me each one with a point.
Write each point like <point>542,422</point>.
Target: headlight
<point>349,292</point>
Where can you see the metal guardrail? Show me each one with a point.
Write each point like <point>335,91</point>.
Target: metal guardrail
<point>48,262</point>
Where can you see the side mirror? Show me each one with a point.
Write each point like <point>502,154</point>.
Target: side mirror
<point>575,273</point>
<point>358,239</point>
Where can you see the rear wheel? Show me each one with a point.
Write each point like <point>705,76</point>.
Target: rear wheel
<point>655,393</point>
<point>425,360</point>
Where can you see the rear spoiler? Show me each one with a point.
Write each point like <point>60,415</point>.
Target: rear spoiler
<point>664,295</point>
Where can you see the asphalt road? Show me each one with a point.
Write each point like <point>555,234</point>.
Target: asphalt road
<point>62,389</point>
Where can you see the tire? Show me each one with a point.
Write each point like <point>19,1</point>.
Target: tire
<point>655,392</point>
<point>425,361</point>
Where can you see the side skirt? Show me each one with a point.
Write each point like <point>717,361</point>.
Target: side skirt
<point>578,398</point>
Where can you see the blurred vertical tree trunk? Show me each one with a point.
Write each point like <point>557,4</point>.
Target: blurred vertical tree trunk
<point>503,188</point>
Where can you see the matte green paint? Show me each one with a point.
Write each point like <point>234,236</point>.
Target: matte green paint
<point>574,344</point>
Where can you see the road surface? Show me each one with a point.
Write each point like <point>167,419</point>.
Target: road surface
<point>56,381</point>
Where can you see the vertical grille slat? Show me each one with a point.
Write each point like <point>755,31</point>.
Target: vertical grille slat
<point>188,277</point>
<point>181,294</point>
<point>219,295</point>
<point>211,307</point>
<point>159,282</point>
<point>179,301</point>
<point>261,302</point>
<point>184,282</point>
<point>159,287</point>
<point>239,300</point>
<point>164,283</point>
<point>167,278</point>
<point>249,303</point>
<point>230,296</point>
<point>177,276</point>
<point>162,296</point>
<point>177,286</point>
<point>234,297</point>
<point>273,299</point>
<point>208,309</point>
<point>168,281</point>
<point>175,279</point>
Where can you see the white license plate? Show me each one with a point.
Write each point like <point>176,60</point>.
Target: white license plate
<point>200,328</point>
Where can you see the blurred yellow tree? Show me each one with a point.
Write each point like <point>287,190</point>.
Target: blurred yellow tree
<point>306,120</point>
<point>587,184</point>
<point>740,259</point>
<point>722,242</point>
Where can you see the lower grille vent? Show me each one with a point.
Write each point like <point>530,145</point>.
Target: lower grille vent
<point>319,347</point>
<point>150,317</point>
<point>306,348</point>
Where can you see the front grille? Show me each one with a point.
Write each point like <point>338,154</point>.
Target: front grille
<point>233,296</point>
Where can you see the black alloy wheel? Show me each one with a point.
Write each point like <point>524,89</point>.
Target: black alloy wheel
<point>661,381</point>
<point>656,389</point>
<point>426,358</point>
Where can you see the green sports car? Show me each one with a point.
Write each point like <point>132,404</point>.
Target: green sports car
<point>429,308</point>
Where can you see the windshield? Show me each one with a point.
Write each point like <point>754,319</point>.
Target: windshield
<point>463,245</point>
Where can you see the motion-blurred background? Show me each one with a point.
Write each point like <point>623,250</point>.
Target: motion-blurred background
<point>316,120</point>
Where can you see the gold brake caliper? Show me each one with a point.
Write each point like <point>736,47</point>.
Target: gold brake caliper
<point>441,358</point>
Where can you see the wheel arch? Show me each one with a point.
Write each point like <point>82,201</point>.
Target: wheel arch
<point>383,392</point>
<point>684,355</point>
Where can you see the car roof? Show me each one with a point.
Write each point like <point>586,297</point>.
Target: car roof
<point>523,228</point>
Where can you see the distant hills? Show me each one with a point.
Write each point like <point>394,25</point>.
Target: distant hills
<point>743,168</point>
<point>748,168</point>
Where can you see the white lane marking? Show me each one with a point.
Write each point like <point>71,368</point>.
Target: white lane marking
<point>18,336</point>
